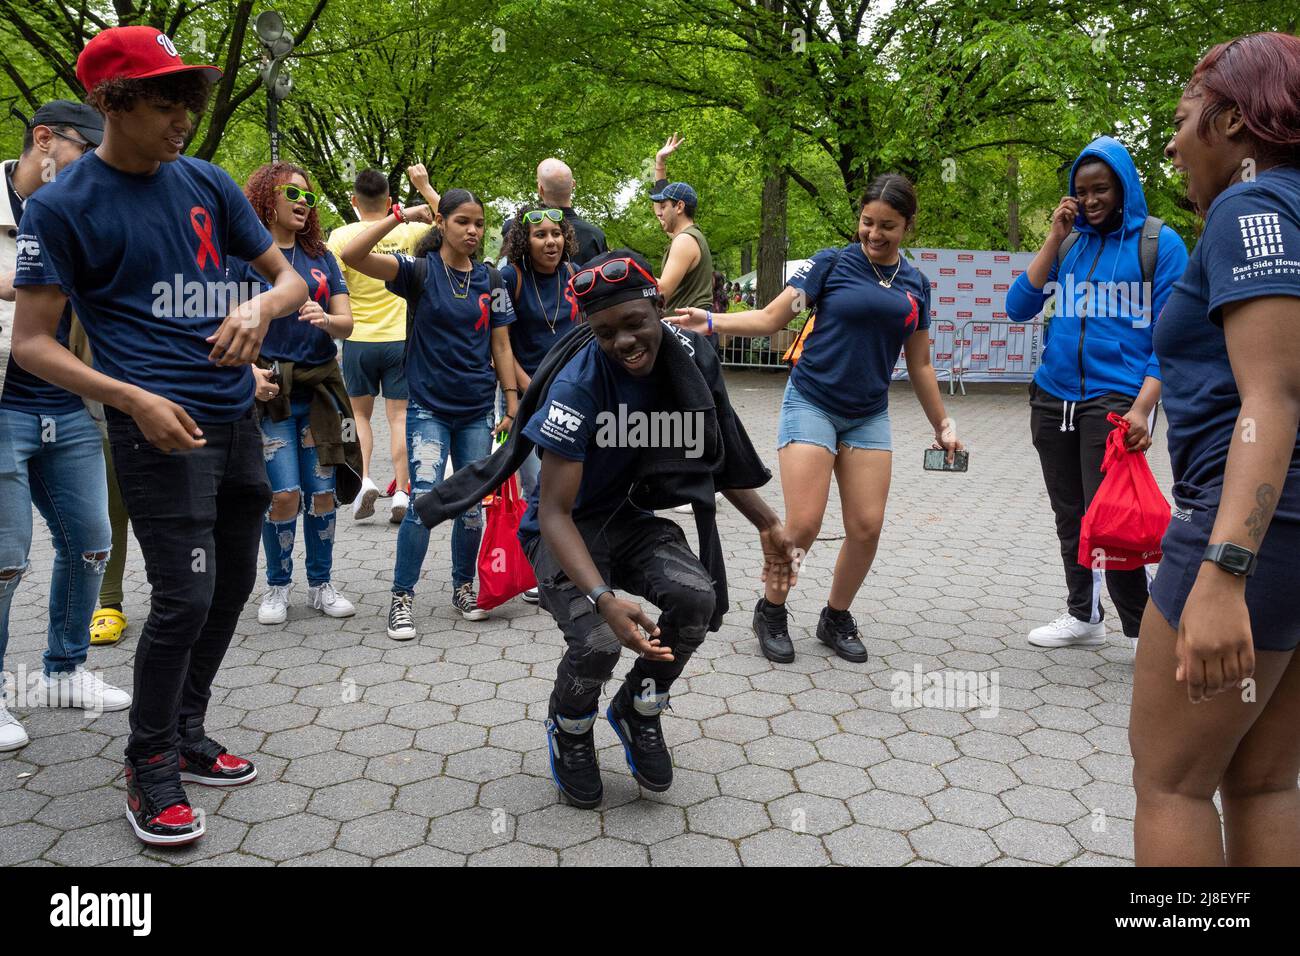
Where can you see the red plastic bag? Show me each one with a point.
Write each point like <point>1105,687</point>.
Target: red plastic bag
<point>503,570</point>
<point>1128,516</point>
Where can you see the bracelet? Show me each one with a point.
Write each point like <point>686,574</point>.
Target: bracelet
<point>397,212</point>
<point>709,315</point>
<point>515,390</point>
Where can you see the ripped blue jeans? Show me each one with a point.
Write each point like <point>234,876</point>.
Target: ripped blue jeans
<point>292,467</point>
<point>430,441</point>
<point>55,462</point>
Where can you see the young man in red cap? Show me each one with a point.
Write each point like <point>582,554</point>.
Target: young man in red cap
<point>137,236</point>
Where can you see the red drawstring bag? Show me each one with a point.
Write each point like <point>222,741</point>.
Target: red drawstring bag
<point>503,570</point>
<point>1128,516</point>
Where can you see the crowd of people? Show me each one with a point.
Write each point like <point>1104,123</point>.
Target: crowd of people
<point>176,367</point>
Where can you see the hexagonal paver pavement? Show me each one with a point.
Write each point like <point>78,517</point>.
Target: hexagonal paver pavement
<point>433,752</point>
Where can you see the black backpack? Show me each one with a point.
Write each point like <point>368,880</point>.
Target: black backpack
<point>1148,249</point>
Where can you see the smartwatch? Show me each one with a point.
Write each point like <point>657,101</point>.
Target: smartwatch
<point>597,593</point>
<point>1232,558</point>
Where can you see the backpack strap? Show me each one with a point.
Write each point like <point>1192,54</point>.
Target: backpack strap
<point>791,356</point>
<point>419,276</point>
<point>519,280</point>
<point>1149,249</point>
<point>1066,245</point>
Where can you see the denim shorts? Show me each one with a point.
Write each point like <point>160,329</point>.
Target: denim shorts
<point>373,367</point>
<point>802,421</point>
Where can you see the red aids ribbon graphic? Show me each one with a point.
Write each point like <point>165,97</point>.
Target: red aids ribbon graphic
<point>322,286</point>
<point>910,322</point>
<point>484,307</point>
<point>573,305</point>
<point>203,228</point>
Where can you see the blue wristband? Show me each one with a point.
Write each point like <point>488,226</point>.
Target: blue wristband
<point>709,315</point>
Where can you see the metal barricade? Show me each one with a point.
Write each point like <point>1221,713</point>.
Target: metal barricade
<point>963,352</point>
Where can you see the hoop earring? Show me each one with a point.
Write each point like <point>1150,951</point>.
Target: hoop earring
<point>275,217</point>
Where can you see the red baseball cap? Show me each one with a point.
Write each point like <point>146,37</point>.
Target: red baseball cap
<point>132,53</point>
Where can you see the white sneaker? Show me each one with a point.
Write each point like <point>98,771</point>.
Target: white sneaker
<point>401,501</point>
<point>1134,641</point>
<point>80,688</point>
<point>12,735</point>
<point>531,596</point>
<point>275,605</point>
<point>364,505</point>
<point>326,598</point>
<point>1068,631</point>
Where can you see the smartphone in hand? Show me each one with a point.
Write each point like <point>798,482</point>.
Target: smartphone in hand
<point>936,460</point>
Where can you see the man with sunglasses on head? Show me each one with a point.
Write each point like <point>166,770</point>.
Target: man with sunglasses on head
<point>555,190</point>
<point>137,236</point>
<point>590,524</point>
<point>50,453</point>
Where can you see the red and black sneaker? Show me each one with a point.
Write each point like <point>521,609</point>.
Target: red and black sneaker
<point>156,804</point>
<point>391,490</point>
<point>209,763</point>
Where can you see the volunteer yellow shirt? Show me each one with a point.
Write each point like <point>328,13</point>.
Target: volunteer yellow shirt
<point>377,314</point>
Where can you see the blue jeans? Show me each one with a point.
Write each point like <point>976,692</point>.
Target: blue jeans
<point>57,463</point>
<point>429,442</point>
<point>291,465</point>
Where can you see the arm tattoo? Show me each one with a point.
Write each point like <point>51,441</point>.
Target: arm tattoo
<point>1257,521</point>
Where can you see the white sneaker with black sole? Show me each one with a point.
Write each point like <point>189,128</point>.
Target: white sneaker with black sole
<point>531,596</point>
<point>1068,631</point>
<point>274,608</point>
<point>326,598</point>
<point>401,620</point>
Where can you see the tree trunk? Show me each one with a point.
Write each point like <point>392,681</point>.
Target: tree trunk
<point>772,239</point>
<point>1013,200</point>
<point>746,259</point>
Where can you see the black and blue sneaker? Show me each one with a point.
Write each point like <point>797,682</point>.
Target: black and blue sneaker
<point>636,721</point>
<point>572,748</point>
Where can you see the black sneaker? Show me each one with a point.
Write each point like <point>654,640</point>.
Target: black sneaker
<point>636,721</point>
<point>572,747</point>
<point>208,762</point>
<point>401,623</point>
<point>466,601</point>
<point>772,629</point>
<point>156,805</point>
<point>839,632</point>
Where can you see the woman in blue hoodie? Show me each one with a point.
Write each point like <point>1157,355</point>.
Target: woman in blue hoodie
<point>1097,359</point>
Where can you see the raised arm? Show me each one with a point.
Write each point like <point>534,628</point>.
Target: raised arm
<point>357,253</point>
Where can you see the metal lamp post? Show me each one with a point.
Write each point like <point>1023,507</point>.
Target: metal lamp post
<point>277,44</point>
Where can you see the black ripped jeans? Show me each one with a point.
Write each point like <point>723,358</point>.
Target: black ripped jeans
<point>198,518</point>
<point>643,555</point>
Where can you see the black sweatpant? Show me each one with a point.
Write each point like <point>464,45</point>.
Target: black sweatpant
<point>1071,442</point>
<point>198,518</point>
<point>646,556</point>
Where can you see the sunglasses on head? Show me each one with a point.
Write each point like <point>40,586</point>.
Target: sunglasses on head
<point>298,194</point>
<point>537,215</point>
<point>615,270</point>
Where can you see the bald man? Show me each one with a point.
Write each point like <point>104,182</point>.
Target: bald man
<point>555,187</point>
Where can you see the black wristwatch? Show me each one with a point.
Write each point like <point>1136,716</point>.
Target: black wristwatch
<point>1232,558</point>
<point>597,593</point>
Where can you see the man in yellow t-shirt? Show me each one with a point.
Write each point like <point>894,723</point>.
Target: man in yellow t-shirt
<point>374,355</point>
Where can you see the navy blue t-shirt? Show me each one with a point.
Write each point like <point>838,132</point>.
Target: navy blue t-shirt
<point>1250,248</point>
<point>288,338</point>
<point>449,357</point>
<point>580,422</point>
<point>849,356</point>
<point>143,259</point>
<point>545,311</point>
<point>24,392</point>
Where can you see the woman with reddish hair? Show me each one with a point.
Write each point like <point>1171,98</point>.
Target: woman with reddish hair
<point>1216,696</point>
<point>302,401</point>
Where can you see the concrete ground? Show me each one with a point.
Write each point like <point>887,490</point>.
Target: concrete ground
<point>432,752</point>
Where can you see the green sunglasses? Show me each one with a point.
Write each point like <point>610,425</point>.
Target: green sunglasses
<point>297,193</point>
<point>537,215</point>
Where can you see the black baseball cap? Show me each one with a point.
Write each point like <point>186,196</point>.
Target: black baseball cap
<point>86,120</point>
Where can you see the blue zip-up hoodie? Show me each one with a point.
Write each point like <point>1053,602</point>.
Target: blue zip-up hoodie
<point>1089,354</point>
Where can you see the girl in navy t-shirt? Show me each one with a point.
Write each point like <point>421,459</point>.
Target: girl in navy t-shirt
<point>458,352</point>
<point>1221,629</point>
<point>869,302</point>
<point>541,256</point>
<point>302,342</point>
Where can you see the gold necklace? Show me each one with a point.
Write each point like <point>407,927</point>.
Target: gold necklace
<point>887,283</point>
<point>556,317</point>
<point>464,290</point>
